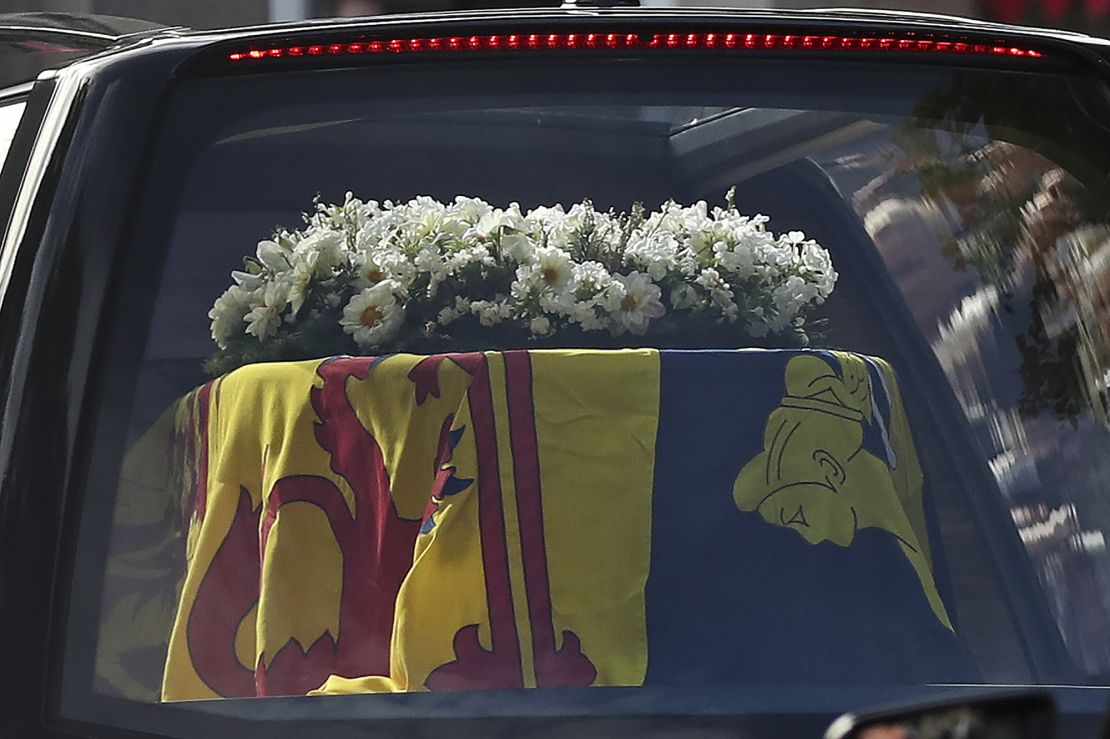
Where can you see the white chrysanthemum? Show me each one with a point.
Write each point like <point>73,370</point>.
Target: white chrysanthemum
<point>655,253</point>
<point>324,250</point>
<point>379,232</point>
<point>639,304</point>
<point>228,314</point>
<point>265,316</point>
<point>374,316</point>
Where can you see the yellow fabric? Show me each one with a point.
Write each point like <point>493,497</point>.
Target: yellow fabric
<point>261,428</point>
<point>603,605</point>
<point>591,407</point>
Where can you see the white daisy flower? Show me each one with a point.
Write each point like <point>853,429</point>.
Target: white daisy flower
<point>553,266</point>
<point>639,305</point>
<point>374,316</point>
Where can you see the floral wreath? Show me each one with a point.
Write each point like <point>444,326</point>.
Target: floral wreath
<point>368,277</point>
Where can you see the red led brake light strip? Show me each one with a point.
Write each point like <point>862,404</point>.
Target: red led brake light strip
<point>621,41</point>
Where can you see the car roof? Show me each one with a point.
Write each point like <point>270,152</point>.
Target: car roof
<point>33,42</point>
<point>118,35</point>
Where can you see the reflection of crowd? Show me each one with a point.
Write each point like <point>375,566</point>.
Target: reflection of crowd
<point>1079,266</point>
<point>1025,223</point>
<point>1050,250</point>
<point>1022,256</point>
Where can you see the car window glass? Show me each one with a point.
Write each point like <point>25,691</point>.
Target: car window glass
<point>906,492</point>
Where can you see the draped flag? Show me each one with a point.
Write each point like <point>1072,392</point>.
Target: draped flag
<point>556,519</point>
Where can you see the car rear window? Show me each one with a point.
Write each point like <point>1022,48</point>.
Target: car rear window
<point>763,379</point>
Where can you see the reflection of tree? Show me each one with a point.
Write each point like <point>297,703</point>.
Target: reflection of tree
<point>1048,364</point>
<point>1019,210</point>
<point>1029,217</point>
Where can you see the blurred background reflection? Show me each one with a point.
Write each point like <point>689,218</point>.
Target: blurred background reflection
<point>1086,15</point>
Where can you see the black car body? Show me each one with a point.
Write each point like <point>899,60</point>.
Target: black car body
<point>90,191</point>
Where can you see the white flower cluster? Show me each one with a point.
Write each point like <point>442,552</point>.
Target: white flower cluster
<point>388,272</point>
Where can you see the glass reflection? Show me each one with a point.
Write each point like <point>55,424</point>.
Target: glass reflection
<point>1004,259</point>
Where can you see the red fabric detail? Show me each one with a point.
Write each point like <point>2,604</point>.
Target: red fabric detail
<point>294,671</point>
<point>425,373</point>
<point>566,667</point>
<point>376,544</point>
<point>1097,8</point>
<point>227,593</point>
<point>475,667</point>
